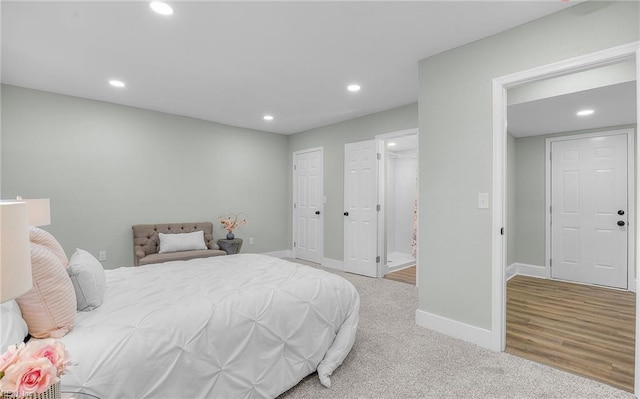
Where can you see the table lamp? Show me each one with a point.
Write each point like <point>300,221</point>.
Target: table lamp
<point>38,211</point>
<point>15,251</point>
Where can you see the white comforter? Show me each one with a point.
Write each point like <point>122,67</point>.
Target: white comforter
<point>241,326</point>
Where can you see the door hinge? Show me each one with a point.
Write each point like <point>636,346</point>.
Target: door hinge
<point>294,205</point>
<point>378,208</point>
<point>377,259</point>
<point>378,156</point>
<point>294,244</point>
<point>295,167</point>
<point>550,262</point>
<point>549,208</point>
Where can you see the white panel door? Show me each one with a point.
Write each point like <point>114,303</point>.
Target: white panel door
<point>308,200</point>
<point>589,210</point>
<point>360,203</point>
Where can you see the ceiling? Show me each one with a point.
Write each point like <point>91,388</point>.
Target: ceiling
<point>234,62</point>
<point>613,105</point>
<point>402,143</point>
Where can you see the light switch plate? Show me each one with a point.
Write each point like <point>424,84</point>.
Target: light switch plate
<point>483,200</point>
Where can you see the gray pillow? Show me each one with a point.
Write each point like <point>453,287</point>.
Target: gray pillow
<point>88,278</point>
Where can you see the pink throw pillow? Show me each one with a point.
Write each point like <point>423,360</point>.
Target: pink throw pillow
<point>44,238</point>
<point>49,308</point>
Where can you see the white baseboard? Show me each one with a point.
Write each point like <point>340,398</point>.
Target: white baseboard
<point>511,271</point>
<point>285,253</point>
<point>391,269</point>
<point>524,269</point>
<point>456,329</point>
<point>333,264</point>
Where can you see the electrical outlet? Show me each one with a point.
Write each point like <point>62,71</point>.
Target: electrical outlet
<point>102,256</point>
<point>251,241</point>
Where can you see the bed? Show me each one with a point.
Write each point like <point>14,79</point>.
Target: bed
<point>241,326</point>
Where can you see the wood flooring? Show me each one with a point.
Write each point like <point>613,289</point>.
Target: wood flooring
<point>406,275</point>
<point>581,329</point>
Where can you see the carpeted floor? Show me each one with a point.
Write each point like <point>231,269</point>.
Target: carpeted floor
<point>393,358</point>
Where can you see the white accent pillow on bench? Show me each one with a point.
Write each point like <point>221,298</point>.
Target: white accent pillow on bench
<point>182,242</point>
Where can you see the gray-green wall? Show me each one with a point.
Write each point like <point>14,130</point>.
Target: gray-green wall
<point>455,113</point>
<point>332,139</point>
<point>106,167</point>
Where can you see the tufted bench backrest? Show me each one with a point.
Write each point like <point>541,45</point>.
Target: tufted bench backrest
<point>146,241</point>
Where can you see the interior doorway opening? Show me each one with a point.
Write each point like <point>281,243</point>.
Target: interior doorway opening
<point>398,191</point>
<point>532,260</point>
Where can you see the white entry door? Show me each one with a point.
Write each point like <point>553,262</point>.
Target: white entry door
<point>360,205</point>
<point>307,202</point>
<point>589,210</point>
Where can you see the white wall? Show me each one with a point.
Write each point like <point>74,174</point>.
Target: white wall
<point>106,167</point>
<point>403,194</point>
<point>390,202</point>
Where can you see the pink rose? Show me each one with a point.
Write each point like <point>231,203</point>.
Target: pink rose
<point>28,376</point>
<point>11,356</point>
<point>50,349</point>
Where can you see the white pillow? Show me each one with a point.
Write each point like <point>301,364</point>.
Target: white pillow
<point>182,242</point>
<point>88,278</point>
<point>13,328</point>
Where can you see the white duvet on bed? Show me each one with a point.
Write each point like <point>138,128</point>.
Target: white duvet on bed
<point>240,326</point>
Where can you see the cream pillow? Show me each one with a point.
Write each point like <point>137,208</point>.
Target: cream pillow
<point>182,242</point>
<point>88,279</point>
<point>44,238</point>
<point>49,308</point>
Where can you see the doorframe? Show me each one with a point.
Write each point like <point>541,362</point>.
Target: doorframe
<point>499,178</point>
<point>631,228</point>
<point>294,210</point>
<point>382,253</point>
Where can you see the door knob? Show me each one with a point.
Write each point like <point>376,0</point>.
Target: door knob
<point>317,212</point>
<point>621,223</point>
<point>346,213</point>
<point>620,212</point>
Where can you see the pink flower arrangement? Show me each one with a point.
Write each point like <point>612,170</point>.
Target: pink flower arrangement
<point>230,221</point>
<point>32,368</point>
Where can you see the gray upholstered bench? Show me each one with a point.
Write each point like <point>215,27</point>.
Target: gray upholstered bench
<point>146,242</point>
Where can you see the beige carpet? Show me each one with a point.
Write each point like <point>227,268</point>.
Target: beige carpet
<point>393,358</point>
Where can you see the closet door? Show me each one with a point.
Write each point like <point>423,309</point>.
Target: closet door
<point>308,201</point>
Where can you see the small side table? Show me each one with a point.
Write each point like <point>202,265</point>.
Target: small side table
<point>231,247</point>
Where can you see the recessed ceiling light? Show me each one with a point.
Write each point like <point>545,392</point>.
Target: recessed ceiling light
<point>116,83</point>
<point>161,8</point>
<point>391,144</point>
<point>353,87</point>
<point>268,117</point>
<point>585,112</point>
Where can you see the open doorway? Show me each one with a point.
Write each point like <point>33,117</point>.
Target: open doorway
<point>398,189</point>
<point>380,224</point>
<point>570,213</point>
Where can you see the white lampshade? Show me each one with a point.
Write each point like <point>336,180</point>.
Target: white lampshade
<point>15,252</point>
<point>38,211</point>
